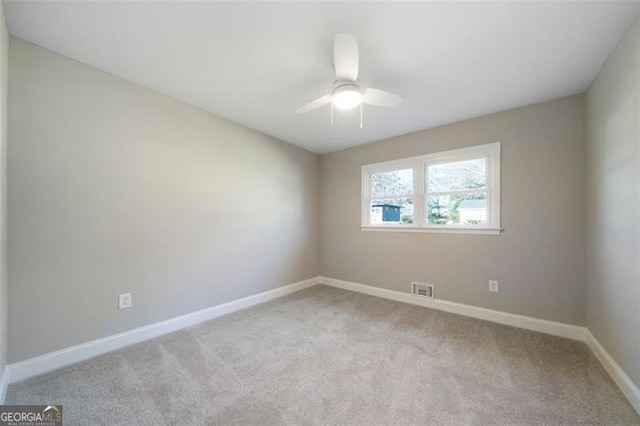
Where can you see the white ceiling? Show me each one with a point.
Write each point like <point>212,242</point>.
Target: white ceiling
<point>256,63</point>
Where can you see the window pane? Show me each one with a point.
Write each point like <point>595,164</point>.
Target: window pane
<point>470,174</point>
<point>463,209</point>
<point>397,182</point>
<point>392,211</point>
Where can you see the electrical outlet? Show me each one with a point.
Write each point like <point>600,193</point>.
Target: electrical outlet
<point>493,286</point>
<point>124,301</point>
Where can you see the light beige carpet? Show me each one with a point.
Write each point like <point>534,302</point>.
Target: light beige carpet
<point>328,356</point>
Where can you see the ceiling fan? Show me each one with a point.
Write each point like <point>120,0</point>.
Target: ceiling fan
<point>346,92</point>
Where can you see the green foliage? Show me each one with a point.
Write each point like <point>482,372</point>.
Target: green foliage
<point>454,214</point>
<point>445,209</point>
<point>436,211</point>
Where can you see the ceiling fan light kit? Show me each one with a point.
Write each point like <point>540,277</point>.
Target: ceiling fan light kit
<point>346,93</point>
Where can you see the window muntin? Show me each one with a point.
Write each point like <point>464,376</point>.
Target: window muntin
<point>452,191</point>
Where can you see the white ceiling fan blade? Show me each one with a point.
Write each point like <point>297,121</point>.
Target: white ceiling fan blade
<point>345,57</point>
<point>380,98</point>
<point>314,104</point>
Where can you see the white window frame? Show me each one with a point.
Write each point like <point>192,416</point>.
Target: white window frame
<point>420,164</point>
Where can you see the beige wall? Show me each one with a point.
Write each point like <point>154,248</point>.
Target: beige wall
<point>613,233</point>
<point>114,188</point>
<point>4,45</point>
<point>538,260</point>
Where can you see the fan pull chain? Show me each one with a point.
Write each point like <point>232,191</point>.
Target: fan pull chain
<point>332,113</point>
<point>361,115</point>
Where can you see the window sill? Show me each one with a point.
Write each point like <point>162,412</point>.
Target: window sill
<point>439,230</point>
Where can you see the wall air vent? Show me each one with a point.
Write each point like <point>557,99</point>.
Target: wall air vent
<point>422,290</point>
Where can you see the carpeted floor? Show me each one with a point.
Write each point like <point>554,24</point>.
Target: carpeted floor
<point>328,356</point>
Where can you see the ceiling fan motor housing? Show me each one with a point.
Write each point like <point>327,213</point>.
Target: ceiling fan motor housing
<point>346,93</point>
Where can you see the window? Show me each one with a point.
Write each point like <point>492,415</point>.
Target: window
<point>452,191</point>
<point>391,196</point>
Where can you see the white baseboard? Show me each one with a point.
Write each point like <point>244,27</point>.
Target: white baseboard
<point>54,360</point>
<point>4,383</point>
<point>544,326</point>
<point>61,358</point>
<point>626,385</point>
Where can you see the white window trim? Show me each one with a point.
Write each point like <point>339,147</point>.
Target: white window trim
<point>419,164</point>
